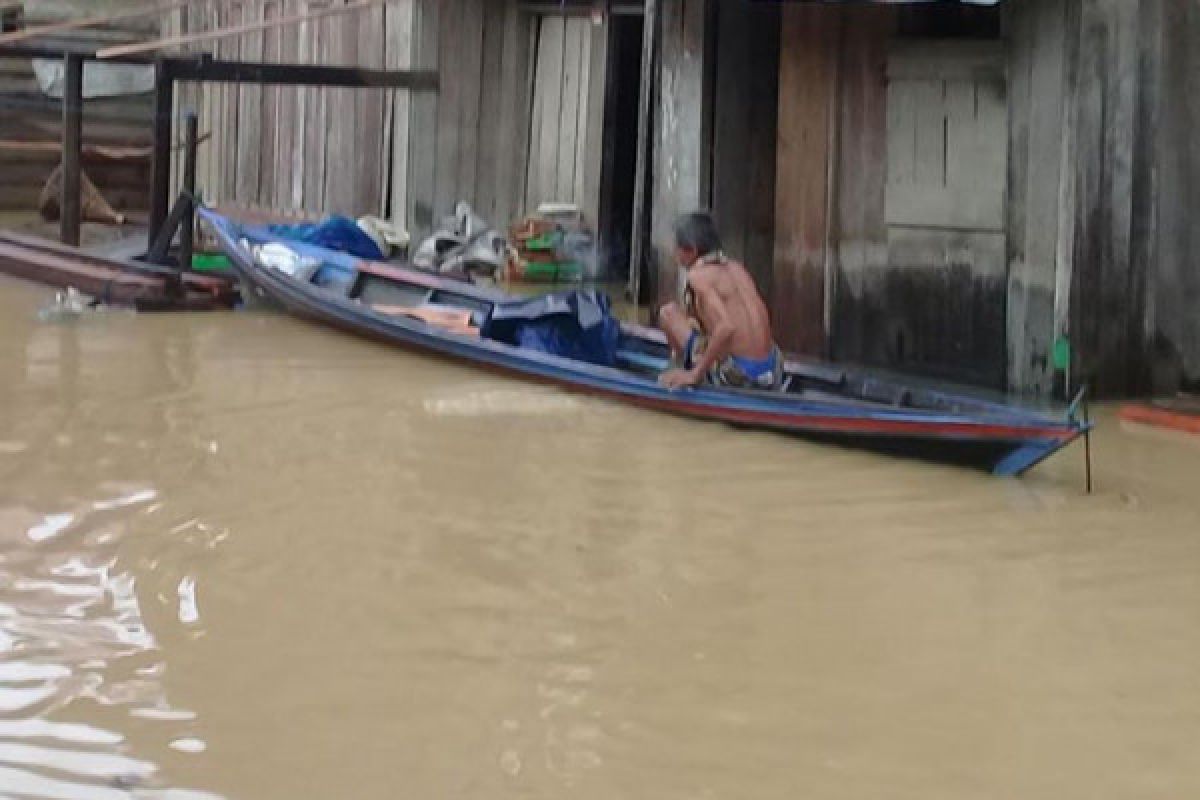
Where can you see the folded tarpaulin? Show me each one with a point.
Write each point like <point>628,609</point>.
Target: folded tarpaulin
<point>335,233</point>
<point>576,324</point>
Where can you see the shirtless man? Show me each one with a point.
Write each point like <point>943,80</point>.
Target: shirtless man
<point>722,335</point>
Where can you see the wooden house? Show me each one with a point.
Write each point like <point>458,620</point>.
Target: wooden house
<point>993,192</point>
<point>962,190</point>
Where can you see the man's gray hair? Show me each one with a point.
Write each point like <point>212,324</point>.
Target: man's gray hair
<point>697,231</point>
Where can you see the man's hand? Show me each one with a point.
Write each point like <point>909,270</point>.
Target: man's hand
<point>679,378</point>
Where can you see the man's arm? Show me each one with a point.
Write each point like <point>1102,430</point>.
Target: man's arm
<point>719,330</point>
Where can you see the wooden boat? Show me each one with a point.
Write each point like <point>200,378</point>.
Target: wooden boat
<point>428,313</point>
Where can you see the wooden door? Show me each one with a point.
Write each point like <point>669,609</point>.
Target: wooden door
<point>947,163</point>
<point>567,113</point>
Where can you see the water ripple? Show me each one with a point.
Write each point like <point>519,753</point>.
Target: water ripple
<point>73,632</point>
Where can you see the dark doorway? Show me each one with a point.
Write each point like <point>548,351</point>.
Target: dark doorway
<point>620,141</point>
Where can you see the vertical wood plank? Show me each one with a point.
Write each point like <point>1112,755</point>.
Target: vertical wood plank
<point>230,103</point>
<point>929,106</point>
<point>861,177</point>
<point>398,55</point>
<point>470,62</point>
<point>449,109</point>
<point>568,119</point>
<point>423,138</point>
<point>250,130</point>
<point>549,88</point>
<point>368,134</point>
<point>513,139</point>
<point>487,154</point>
<point>269,112</point>
<point>288,117</point>
<point>807,78</point>
<point>592,148</point>
<point>902,133</point>
<point>303,140</point>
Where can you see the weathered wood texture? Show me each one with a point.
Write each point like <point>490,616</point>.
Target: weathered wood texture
<point>947,149</point>
<point>305,149</point>
<point>1173,316</point>
<point>679,133</point>
<point>1067,211</point>
<point>859,320</point>
<point>808,84</point>
<point>1104,178</point>
<point>28,115</point>
<point>470,142</point>
<point>1037,102</point>
<point>568,109</point>
<point>745,103</point>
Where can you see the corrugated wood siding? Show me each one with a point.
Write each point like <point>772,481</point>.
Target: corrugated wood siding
<point>301,149</point>
<point>469,142</point>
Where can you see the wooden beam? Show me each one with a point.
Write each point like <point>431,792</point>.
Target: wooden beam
<point>221,33</point>
<point>637,250</point>
<point>160,168</point>
<point>72,145</point>
<point>207,70</point>
<point>91,22</point>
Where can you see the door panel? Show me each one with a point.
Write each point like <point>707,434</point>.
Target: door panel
<point>947,151</point>
<point>567,113</point>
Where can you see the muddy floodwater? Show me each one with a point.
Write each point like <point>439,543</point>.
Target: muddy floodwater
<point>246,557</point>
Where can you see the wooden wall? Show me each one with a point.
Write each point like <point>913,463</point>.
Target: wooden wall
<point>1039,226</point>
<point>27,115</point>
<point>298,148</point>
<point>1173,313</point>
<point>807,127</point>
<point>682,136</point>
<point>746,97</point>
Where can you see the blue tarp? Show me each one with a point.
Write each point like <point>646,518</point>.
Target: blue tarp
<point>335,233</point>
<point>575,324</point>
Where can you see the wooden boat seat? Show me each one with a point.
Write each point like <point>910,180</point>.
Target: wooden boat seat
<point>451,320</point>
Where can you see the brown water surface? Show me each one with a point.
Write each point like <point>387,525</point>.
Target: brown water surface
<point>244,557</point>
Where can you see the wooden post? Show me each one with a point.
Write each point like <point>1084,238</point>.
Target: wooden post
<point>637,248</point>
<point>191,136</point>
<point>160,170</point>
<point>72,146</point>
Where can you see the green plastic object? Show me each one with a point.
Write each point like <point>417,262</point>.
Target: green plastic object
<point>555,271</point>
<point>1062,353</point>
<point>547,241</point>
<point>205,262</point>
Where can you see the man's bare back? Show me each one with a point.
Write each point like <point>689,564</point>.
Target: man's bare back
<point>733,346</point>
<point>729,282</point>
